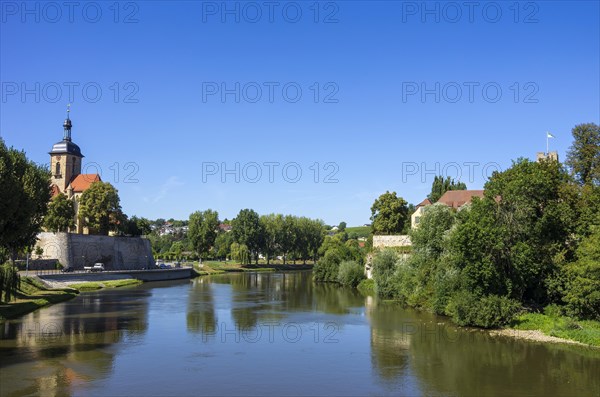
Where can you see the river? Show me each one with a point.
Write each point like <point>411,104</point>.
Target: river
<point>271,334</point>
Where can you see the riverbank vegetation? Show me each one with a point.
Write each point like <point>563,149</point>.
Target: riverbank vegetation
<point>531,242</point>
<point>553,323</point>
<point>96,285</point>
<point>32,295</point>
<point>342,261</point>
<point>217,267</point>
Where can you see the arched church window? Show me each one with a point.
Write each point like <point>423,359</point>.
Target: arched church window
<point>57,169</point>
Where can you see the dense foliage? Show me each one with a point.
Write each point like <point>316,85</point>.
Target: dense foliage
<point>350,273</point>
<point>532,241</point>
<point>23,200</point>
<point>61,214</point>
<point>338,250</point>
<point>100,208</point>
<point>203,230</point>
<point>441,186</point>
<point>389,213</point>
<point>9,282</point>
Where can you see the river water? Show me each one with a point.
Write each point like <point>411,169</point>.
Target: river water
<point>271,334</point>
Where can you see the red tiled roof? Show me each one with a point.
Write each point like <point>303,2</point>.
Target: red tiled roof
<point>424,203</point>
<point>458,198</point>
<point>82,182</point>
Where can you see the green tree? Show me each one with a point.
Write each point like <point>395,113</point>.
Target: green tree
<point>314,236</point>
<point>388,214</point>
<point>61,214</point>
<point>9,282</point>
<point>100,208</point>
<point>203,230</point>
<point>433,228</point>
<point>583,157</point>
<point>135,226</point>
<point>289,236</point>
<point>385,265</point>
<point>350,273</point>
<point>222,248</point>
<point>509,242</point>
<point>441,186</point>
<point>142,225</point>
<point>24,200</point>
<point>247,230</point>
<point>342,226</point>
<point>240,253</point>
<point>272,228</point>
<point>582,294</point>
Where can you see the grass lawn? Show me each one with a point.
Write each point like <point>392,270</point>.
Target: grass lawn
<point>33,295</point>
<point>216,267</point>
<point>94,285</point>
<point>585,331</point>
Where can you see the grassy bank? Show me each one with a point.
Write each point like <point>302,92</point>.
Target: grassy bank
<point>366,287</point>
<point>33,295</point>
<point>584,331</point>
<point>217,267</point>
<point>95,285</point>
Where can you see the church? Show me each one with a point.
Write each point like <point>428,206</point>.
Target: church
<point>65,166</point>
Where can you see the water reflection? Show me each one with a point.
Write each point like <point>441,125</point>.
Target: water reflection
<point>448,360</point>
<point>97,343</point>
<point>201,316</point>
<point>67,345</point>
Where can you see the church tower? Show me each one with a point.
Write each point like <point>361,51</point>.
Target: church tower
<point>65,159</point>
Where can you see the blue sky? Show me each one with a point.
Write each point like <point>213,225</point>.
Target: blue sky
<point>495,78</point>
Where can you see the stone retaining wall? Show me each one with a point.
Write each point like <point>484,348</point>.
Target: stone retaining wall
<point>79,250</point>
<point>400,240</point>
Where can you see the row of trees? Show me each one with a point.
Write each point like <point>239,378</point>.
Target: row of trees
<point>533,241</point>
<point>270,235</point>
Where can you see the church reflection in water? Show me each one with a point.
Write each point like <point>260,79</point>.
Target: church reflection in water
<point>63,346</point>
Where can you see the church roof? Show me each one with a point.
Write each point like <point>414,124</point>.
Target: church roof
<point>82,182</point>
<point>66,147</point>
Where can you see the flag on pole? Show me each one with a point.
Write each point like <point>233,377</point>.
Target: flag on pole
<point>549,135</point>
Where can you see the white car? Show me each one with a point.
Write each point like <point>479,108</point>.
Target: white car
<point>98,267</point>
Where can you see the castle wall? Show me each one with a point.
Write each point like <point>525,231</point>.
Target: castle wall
<point>391,241</point>
<point>79,250</point>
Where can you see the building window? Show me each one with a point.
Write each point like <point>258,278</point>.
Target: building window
<point>73,170</point>
<point>417,219</point>
<point>57,173</point>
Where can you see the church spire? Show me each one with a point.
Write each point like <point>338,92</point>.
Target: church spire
<point>67,125</point>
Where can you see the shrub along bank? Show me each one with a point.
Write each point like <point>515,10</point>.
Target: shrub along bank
<point>531,242</point>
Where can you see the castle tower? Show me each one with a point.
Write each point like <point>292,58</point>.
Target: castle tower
<point>65,159</point>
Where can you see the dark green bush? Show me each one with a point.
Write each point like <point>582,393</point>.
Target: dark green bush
<point>384,269</point>
<point>582,295</point>
<point>366,287</point>
<point>327,268</point>
<point>350,273</point>
<point>9,282</point>
<point>490,311</point>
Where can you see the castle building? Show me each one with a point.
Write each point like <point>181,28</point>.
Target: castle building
<point>65,166</point>
<point>547,156</point>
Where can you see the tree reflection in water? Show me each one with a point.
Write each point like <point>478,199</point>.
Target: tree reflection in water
<point>70,342</point>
